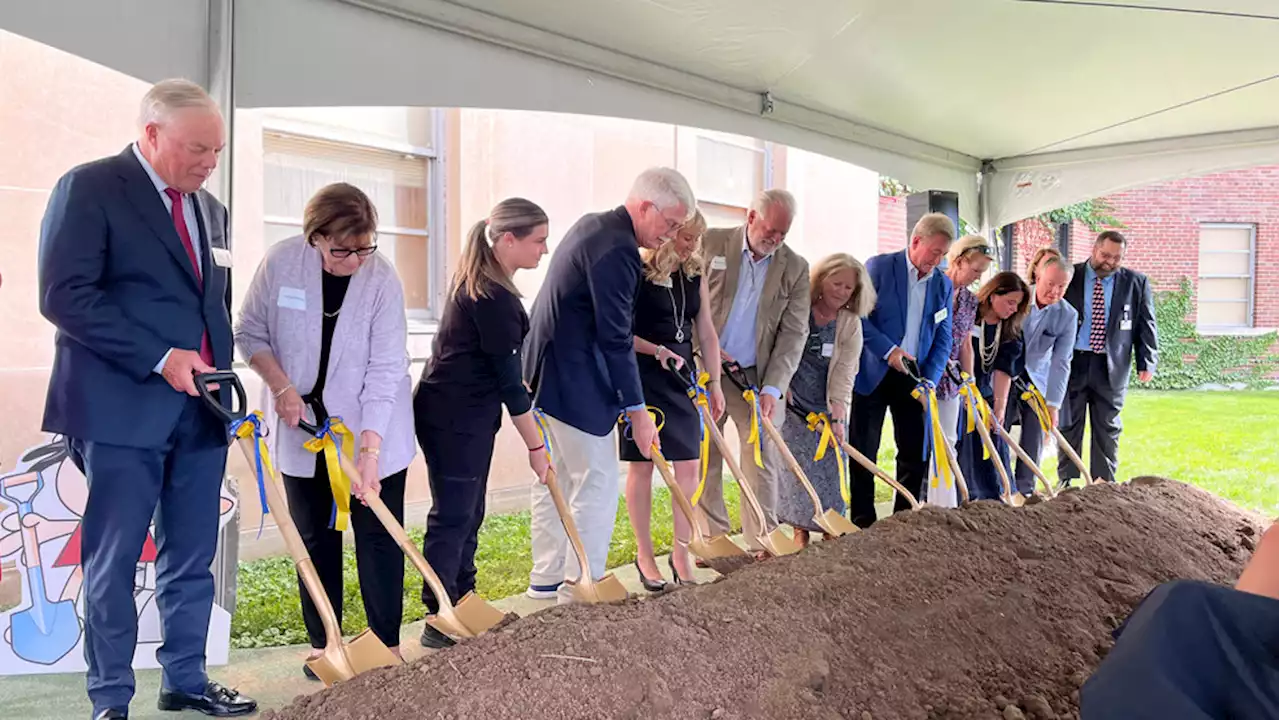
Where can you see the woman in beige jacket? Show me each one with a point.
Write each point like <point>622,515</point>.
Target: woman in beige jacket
<point>841,294</point>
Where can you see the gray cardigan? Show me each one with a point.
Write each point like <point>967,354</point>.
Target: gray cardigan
<point>367,383</point>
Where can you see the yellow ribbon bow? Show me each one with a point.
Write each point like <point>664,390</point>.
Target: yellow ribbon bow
<point>1033,397</point>
<point>698,394</point>
<point>339,482</point>
<point>976,408</point>
<point>939,467</point>
<point>753,438</point>
<point>828,438</point>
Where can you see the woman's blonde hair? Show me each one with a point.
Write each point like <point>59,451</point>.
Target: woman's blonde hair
<point>660,263</point>
<point>968,246</point>
<point>479,267</point>
<point>863,299</point>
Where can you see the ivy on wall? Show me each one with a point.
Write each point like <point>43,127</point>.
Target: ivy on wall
<point>1189,360</point>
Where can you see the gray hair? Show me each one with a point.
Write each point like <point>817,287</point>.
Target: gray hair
<point>934,224</point>
<point>777,198</point>
<point>666,188</point>
<point>167,96</point>
<point>1056,261</point>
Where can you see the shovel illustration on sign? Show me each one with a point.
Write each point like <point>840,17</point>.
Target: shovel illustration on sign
<point>47,630</point>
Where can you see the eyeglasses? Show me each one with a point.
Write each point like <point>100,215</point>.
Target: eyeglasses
<point>343,253</point>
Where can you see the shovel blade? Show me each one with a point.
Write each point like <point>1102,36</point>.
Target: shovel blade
<point>332,666</point>
<point>719,546</point>
<point>778,543</point>
<point>835,524</point>
<point>366,652</point>
<point>1018,500</point>
<point>45,637</point>
<point>605,590</point>
<point>470,617</point>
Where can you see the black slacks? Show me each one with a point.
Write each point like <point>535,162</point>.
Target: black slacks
<point>893,394</point>
<point>379,561</point>
<point>1089,390</point>
<point>457,508</point>
<point>1019,412</point>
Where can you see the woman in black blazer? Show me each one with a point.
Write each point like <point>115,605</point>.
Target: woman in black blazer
<point>474,370</point>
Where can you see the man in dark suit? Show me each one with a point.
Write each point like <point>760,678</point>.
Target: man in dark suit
<point>133,272</point>
<point>1116,321</point>
<point>580,362</point>
<point>911,324</point>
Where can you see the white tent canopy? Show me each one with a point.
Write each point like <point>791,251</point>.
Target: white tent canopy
<point>1042,103</point>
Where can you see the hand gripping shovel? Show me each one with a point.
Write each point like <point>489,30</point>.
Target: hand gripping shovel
<point>338,662</point>
<point>472,615</point>
<point>831,522</point>
<point>47,630</point>
<point>1032,395</point>
<point>777,542</point>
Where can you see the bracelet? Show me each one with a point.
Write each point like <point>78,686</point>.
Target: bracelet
<point>370,451</point>
<point>276,395</point>
<point>657,351</point>
<point>540,447</point>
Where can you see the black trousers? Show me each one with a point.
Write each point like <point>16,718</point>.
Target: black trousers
<point>1089,391</point>
<point>379,561</point>
<point>1019,412</point>
<point>457,511</point>
<point>892,395</point>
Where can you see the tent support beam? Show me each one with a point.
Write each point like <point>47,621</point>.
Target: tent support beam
<point>219,81</point>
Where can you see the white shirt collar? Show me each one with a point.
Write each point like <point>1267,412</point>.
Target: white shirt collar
<point>751,255</point>
<point>161,185</point>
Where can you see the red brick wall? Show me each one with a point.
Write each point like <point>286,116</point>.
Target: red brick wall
<point>893,224</point>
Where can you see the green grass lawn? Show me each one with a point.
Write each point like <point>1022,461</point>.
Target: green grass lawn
<point>1223,442</point>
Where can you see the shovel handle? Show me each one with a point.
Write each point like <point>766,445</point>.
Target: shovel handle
<point>297,550</point>
<point>1024,458</point>
<point>790,458</point>
<point>682,501</point>
<point>735,470</point>
<point>961,485</point>
<point>570,528</point>
<point>1073,455</point>
<point>990,445</point>
<point>876,470</point>
<point>223,378</point>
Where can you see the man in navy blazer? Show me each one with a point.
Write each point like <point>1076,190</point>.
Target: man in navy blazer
<point>911,323</point>
<point>133,272</point>
<point>580,362</point>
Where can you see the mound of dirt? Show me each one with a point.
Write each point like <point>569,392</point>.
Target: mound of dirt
<point>982,612</point>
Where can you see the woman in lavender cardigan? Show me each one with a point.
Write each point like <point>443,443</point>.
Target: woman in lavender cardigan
<point>324,320</point>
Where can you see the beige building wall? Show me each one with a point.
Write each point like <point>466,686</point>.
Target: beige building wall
<point>59,111</point>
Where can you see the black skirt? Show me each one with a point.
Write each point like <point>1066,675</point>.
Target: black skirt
<point>681,432</point>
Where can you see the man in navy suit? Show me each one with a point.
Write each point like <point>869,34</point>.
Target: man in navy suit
<point>580,361</point>
<point>911,324</point>
<point>133,272</point>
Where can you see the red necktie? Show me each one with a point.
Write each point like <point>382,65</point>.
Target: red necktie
<point>180,224</point>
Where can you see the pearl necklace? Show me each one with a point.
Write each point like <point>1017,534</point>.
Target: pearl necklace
<point>988,354</point>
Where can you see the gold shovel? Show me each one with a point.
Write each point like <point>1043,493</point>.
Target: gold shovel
<point>831,522</point>
<point>876,470</point>
<point>1025,459</point>
<point>1032,395</point>
<point>706,548</point>
<point>776,543</point>
<point>586,589</point>
<point>472,615</point>
<point>1009,497</point>
<point>338,662</point>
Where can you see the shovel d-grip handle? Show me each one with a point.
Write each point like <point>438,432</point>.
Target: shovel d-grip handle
<point>224,379</point>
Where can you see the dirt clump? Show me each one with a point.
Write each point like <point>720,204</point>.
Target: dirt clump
<point>982,612</point>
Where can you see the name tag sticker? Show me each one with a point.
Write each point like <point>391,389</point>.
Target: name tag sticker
<point>1126,324</point>
<point>718,263</point>
<point>828,349</point>
<point>292,298</point>
<point>221,257</point>
<point>939,316</point>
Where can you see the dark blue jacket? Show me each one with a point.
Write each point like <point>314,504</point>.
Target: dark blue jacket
<point>886,325</point>
<point>117,283</point>
<point>579,358</point>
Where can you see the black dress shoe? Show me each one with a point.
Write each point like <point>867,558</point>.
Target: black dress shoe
<point>434,639</point>
<point>650,585</point>
<point>671,563</point>
<point>216,700</point>
<point>112,714</point>
<point>308,673</point>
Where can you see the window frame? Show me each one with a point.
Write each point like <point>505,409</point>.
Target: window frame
<point>1251,278</point>
<point>420,320</point>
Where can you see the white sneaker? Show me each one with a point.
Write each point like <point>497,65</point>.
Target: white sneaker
<point>542,592</point>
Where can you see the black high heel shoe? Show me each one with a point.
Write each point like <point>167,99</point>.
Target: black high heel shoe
<point>652,586</point>
<point>671,563</point>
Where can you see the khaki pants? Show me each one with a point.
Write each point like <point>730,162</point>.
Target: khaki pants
<point>764,481</point>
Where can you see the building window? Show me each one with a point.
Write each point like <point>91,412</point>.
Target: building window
<point>294,167</point>
<point>1224,298</point>
<point>728,172</point>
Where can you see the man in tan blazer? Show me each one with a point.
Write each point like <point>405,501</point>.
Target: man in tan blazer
<point>760,304</point>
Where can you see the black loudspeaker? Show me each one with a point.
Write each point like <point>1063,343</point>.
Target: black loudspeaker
<point>940,201</point>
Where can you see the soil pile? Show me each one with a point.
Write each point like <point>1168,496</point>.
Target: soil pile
<point>982,612</point>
